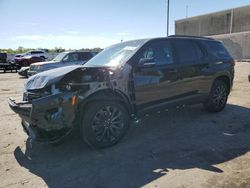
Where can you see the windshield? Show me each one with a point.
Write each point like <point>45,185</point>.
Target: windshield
<point>60,56</point>
<point>116,55</point>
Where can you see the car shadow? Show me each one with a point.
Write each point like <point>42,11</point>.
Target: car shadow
<point>2,72</point>
<point>177,139</point>
<point>23,78</point>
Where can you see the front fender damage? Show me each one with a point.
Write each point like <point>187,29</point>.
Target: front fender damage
<point>48,119</point>
<point>94,80</point>
<point>55,112</point>
<point>54,109</point>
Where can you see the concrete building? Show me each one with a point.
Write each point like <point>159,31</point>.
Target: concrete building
<point>231,26</point>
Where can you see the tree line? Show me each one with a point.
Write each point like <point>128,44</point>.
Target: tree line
<point>21,49</point>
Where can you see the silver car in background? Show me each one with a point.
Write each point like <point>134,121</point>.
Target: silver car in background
<point>62,60</point>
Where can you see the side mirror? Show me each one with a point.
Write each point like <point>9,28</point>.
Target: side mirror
<point>146,62</point>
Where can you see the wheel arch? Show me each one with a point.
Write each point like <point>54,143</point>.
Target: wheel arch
<point>108,95</point>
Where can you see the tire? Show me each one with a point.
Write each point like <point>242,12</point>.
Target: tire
<point>97,127</point>
<point>218,96</point>
<point>25,64</point>
<point>26,74</point>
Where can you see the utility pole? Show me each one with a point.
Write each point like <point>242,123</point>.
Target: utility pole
<point>167,18</point>
<point>186,11</point>
<point>231,22</point>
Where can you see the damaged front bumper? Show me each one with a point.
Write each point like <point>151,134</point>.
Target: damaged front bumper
<point>47,119</point>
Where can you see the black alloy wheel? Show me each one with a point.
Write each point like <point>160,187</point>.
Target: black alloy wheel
<point>104,123</point>
<point>107,124</point>
<point>218,96</point>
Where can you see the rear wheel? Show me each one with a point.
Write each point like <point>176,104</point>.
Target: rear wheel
<point>25,64</point>
<point>217,98</point>
<point>104,123</point>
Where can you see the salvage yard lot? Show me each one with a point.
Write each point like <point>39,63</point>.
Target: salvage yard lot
<point>179,148</point>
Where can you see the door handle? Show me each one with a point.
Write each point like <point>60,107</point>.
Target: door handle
<point>173,71</point>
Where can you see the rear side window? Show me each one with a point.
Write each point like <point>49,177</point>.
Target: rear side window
<point>188,51</point>
<point>218,49</point>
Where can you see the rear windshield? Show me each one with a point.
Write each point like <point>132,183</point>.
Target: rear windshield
<point>218,49</point>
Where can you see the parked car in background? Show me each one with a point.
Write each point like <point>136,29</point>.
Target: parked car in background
<point>23,71</point>
<point>5,65</point>
<point>26,61</point>
<point>62,60</point>
<point>124,81</point>
<point>34,53</point>
<point>3,57</point>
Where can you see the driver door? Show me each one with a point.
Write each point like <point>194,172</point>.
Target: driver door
<point>156,76</point>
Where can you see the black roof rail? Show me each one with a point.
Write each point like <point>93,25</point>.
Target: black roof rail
<point>188,36</point>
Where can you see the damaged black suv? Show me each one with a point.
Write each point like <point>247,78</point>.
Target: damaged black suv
<point>122,82</point>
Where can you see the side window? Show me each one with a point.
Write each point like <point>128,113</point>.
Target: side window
<point>160,52</point>
<point>149,53</point>
<point>36,52</point>
<point>188,52</point>
<point>218,49</point>
<point>71,57</point>
<point>199,53</point>
<point>85,56</point>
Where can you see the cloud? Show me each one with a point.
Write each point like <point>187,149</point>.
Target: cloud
<point>29,37</point>
<point>70,39</point>
<point>125,33</point>
<point>73,32</point>
<point>65,41</point>
<point>28,23</point>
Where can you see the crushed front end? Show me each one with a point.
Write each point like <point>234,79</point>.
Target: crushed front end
<point>48,117</point>
<point>48,108</point>
<point>52,99</point>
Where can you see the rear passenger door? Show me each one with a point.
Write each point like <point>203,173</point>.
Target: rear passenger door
<point>192,58</point>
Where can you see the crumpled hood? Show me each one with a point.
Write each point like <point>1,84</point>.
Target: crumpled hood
<point>43,79</point>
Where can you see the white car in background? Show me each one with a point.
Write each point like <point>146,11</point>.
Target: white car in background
<point>33,53</point>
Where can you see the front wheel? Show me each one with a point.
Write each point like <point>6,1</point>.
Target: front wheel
<point>217,98</point>
<point>104,123</point>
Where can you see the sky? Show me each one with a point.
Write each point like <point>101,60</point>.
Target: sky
<point>76,24</point>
